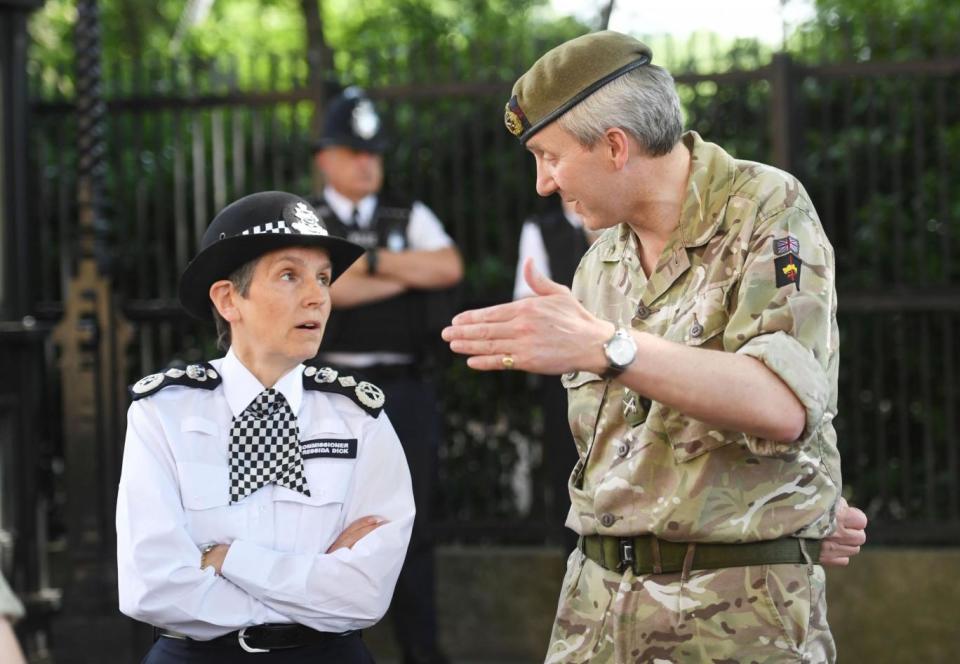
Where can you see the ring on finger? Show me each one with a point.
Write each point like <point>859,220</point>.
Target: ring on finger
<point>507,362</point>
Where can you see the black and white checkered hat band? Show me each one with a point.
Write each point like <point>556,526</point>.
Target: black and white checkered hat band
<point>281,227</point>
<point>271,227</point>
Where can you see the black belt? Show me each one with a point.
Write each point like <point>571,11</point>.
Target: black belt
<point>647,554</point>
<point>262,638</point>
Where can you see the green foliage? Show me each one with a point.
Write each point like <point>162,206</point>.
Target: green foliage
<point>862,30</point>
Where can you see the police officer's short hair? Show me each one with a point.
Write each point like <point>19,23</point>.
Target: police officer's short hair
<point>643,102</point>
<point>241,278</point>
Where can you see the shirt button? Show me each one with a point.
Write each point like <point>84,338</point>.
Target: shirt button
<point>696,330</point>
<point>607,520</point>
<point>622,449</point>
<point>643,311</point>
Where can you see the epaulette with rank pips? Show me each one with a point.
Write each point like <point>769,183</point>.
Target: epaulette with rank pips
<point>330,379</point>
<point>202,376</point>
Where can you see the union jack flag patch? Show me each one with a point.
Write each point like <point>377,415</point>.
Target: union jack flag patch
<point>786,245</point>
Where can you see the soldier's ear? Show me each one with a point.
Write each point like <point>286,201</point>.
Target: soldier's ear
<point>616,144</point>
<point>223,295</point>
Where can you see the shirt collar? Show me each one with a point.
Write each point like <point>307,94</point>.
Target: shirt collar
<point>240,387</point>
<point>343,206</point>
<point>712,173</point>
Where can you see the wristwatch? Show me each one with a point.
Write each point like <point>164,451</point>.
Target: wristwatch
<point>203,557</point>
<point>621,351</point>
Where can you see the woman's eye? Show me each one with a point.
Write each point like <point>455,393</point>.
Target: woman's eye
<point>324,279</point>
<point>287,276</point>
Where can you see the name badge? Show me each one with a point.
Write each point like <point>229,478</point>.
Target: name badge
<point>329,448</point>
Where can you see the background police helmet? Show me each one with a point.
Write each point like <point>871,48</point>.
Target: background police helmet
<point>352,121</point>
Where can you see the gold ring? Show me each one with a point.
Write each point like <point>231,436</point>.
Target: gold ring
<point>507,362</point>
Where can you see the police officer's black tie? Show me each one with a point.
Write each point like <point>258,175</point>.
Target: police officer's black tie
<point>265,447</point>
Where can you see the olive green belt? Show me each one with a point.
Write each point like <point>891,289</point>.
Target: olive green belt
<point>647,554</point>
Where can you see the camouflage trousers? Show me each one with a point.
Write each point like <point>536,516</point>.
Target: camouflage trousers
<point>766,613</point>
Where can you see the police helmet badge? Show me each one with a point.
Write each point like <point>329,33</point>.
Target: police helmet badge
<point>364,120</point>
<point>307,221</point>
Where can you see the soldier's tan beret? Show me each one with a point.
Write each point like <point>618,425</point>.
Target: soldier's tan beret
<point>566,75</point>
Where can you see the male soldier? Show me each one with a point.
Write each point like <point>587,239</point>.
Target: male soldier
<point>387,309</point>
<point>699,350</point>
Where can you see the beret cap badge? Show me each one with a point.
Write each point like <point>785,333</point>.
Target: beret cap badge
<point>568,74</point>
<point>514,117</point>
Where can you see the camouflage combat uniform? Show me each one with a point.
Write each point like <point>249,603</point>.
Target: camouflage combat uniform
<point>749,270</point>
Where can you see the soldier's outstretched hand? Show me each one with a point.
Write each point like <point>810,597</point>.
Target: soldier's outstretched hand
<point>549,333</point>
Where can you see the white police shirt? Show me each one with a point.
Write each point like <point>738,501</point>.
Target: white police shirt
<point>174,499</point>
<point>424,232</point>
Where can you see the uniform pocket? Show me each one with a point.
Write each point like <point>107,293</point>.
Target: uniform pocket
<point>585,394</point>
<point>701,322</point>
<point>701,325</point>
<point>204,486</point>
<point>788,594</point>
<point>328,479</point>
<point>205,494</point>
<point>688,437</point>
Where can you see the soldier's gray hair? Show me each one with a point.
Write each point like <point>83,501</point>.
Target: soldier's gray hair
<point>241,278</point>
<point>642,102</point>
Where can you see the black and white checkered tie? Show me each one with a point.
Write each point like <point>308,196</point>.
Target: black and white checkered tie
<point>265,447</point>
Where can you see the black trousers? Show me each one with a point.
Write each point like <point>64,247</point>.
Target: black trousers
<point>348,649</point>
<point>560,456</point>
<point>414,412</point>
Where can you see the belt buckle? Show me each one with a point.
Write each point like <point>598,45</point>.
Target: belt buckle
<point>242,638</point>
<point>626,554</point>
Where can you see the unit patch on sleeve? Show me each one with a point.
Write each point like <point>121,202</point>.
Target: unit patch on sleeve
<point>329,448</point>
<point>787,265</point>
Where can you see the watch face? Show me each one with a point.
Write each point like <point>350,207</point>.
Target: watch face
<point>621,350</point>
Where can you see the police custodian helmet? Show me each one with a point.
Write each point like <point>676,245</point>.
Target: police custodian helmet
<point>352,121</point>
<point>250,227</point>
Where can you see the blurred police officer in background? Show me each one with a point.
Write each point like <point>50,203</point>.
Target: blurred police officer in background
<point>388,311</point>
<point>555,240</point>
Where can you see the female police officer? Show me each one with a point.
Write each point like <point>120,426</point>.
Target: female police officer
<point>264,506</point>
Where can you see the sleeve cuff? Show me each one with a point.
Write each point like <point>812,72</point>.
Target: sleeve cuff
<point>244,564</point>
<point>796,366</point>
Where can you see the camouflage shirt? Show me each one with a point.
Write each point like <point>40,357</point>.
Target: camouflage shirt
<point>748,270</point>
